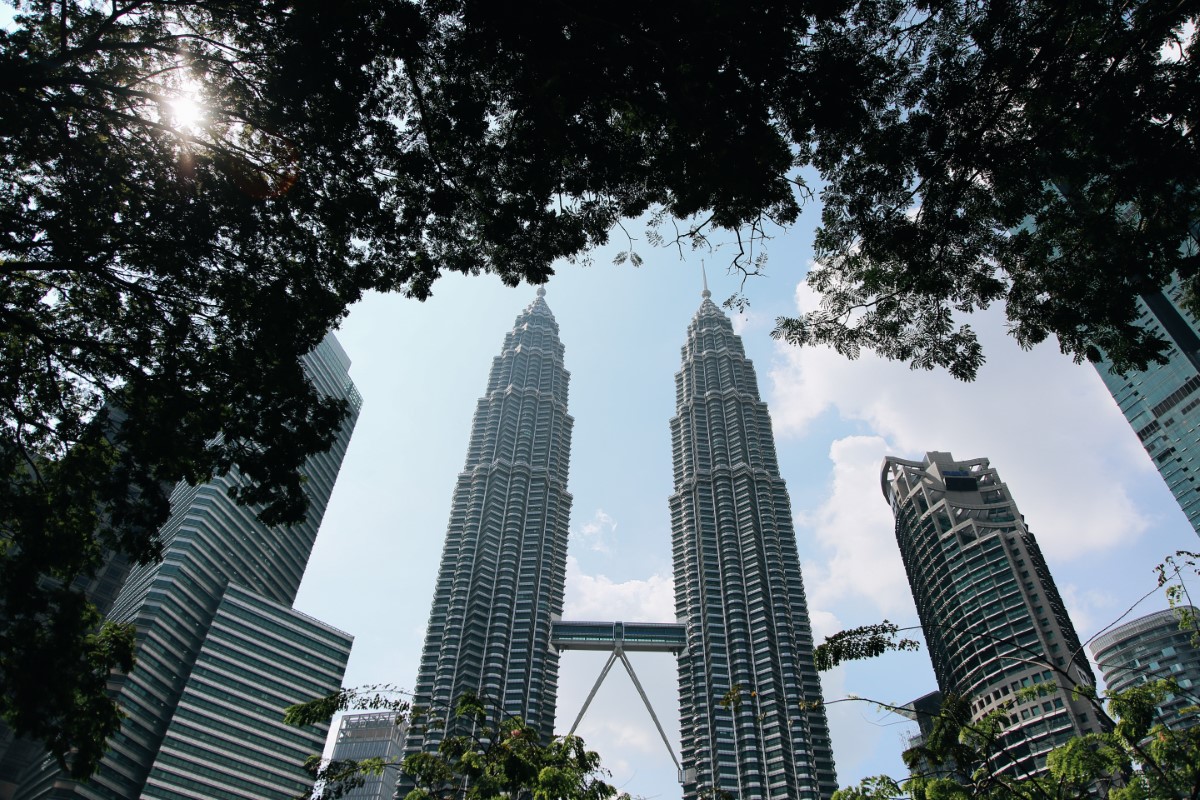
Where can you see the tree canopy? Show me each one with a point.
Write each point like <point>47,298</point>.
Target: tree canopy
<point>194,193</point>
<point>1039,154</point>
<point>487,755</point>
<point>1138,758</point>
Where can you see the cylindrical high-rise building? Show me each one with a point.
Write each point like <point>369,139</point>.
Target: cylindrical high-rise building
<point>750,700</point>
<point>504,564</point>
<point>1152,648</point>
<point>993,620</point>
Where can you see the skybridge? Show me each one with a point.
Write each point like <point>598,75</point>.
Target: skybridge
<point>653,637</point>
<point>617,638</point>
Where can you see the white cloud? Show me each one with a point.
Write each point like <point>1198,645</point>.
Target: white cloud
<point>1093,609</point>
<point>824,622</point>
<point>854,528</point>
<point>1048,426</point>
<point>597,533</point>
<point>747,319</point>
<point>597,597</point>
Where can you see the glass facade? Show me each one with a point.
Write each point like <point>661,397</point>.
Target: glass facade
<point>993,620</point>
<point>372,735</point>
<point>750,699</point>
<point>216,554</point>
<point>226,739</point>
<point>1162,402</point>
<point>503,567</point>
<point>1151,648</point>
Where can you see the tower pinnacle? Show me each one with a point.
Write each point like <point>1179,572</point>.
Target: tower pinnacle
<point>704,276</point>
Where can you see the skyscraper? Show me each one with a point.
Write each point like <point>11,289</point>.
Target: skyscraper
<point>750,699</point>
<point>992,617</point>
<point>220,653</point>
<point>1152,648</point>
<point>504,563</point>
<point>1162,402</point>
<point>371,735</point>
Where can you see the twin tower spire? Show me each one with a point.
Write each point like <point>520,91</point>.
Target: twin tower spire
<point>751,718</point>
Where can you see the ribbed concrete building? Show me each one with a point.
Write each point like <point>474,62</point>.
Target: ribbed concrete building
<point>220,652</point>
<point>503,567</point>
<point>1155,647</point>
<point>992,617</point>
<point>1162,402</point>
<point>738,587</point>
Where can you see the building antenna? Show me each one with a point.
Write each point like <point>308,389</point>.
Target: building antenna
<point>704,276</point>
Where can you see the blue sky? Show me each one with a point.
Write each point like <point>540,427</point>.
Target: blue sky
<point>1088,491</point>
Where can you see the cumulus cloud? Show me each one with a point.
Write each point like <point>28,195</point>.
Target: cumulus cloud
<point>597,533</point>
<point>1092,609</point>
<point>745,320</point>
<point>853,527</point>
<point>598,597</point>
<point>1048,426</point>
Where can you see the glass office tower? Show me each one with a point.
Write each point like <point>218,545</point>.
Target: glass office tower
<point>1162,402</point>
<point>219,651</point>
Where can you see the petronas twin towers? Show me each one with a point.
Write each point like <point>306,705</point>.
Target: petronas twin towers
<point>505,561</point>
<point>752,724</point>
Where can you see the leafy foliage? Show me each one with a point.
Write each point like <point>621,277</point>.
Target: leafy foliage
<point>175,266</point>
<point>375,697</point>
<point>856,644</point>
<point>1170,580</point>
<point>1037,153</point>
<point>492,758</point>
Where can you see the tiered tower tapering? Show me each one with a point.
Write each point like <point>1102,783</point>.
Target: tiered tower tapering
<point>750,700</point>
<point>504,563</point>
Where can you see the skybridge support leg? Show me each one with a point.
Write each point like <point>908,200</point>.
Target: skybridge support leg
<point>650,708</point>
<point>612,658</point>
<point>603,674</point>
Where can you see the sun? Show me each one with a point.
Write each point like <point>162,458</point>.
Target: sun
<point>187,109</point>
<point>186,113</point>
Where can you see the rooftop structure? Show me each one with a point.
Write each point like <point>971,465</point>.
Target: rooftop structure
<point>372,735</point>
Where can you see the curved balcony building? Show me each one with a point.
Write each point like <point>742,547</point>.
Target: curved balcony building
<point>1151,648</point>
<point>993,620</point>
